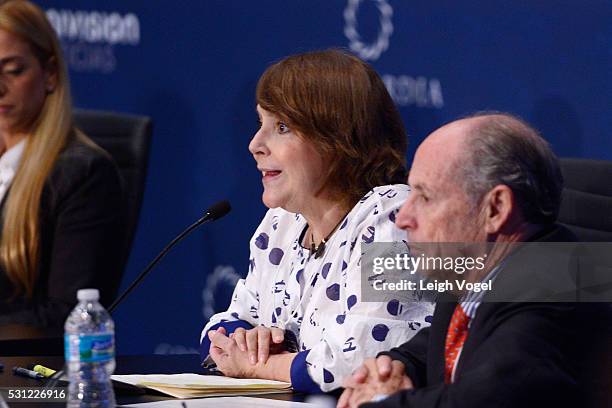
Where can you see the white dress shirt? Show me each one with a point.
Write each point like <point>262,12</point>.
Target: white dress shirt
<point>9,162</point>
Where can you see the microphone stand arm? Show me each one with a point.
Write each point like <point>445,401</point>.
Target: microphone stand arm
<point>154,262</point>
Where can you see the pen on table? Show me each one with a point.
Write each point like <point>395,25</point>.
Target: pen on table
<point>184,404</point>
<point>47,372</point>
<point>24,372</point>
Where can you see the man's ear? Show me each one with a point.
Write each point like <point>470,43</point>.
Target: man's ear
<point>51,75</point>
<point>498,205</point>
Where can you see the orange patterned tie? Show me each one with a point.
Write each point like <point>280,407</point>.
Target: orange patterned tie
<point>457,333</point>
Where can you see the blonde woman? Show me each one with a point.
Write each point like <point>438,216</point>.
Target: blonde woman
<point>61,200</point>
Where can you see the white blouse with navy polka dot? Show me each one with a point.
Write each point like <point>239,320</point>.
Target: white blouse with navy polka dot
<point>318,300</point>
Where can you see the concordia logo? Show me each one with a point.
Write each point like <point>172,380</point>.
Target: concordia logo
<point>406,90</point>
<point>223,277</point>
<point>370,52</point>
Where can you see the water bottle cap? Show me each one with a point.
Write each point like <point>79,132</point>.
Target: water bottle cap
<point>88,294</point>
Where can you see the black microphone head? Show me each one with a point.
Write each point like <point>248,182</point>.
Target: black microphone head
<point>218,210</point>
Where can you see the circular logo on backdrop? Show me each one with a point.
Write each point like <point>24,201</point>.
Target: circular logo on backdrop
<point>368,51</point>
<point>223,279</point>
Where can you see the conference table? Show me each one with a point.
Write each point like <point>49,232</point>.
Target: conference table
<point>134,364</point>
<point>15,338</point>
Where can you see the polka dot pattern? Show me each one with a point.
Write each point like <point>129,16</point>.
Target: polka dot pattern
<point>393,307</point>
<point>262,240</point>
<point>276,255</point>
<point>379,332</point>
<point>344,223</point>
<point>328,377</point>
<point>351,301</point>
<point>317,298</point>
<point>333,292</point>
<point>325,270</point>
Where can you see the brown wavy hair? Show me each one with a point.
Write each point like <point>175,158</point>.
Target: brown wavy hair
<point>340,104</point>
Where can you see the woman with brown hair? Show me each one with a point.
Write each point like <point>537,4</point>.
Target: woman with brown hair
<point>331,150</point>
<point>61,198</point>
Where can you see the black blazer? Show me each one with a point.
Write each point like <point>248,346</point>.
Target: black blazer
<point>81,241</point>
<point>515,355</point>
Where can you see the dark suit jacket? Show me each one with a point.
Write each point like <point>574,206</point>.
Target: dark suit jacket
<point>515,355</point>
<point>81,241</point>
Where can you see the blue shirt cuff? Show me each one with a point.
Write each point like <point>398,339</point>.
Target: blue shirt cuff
<point>230,327</point>
<point>300,379</point>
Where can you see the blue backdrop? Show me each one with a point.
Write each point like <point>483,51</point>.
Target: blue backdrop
<point>193,65</point>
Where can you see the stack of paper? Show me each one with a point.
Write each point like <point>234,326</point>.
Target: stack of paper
<point>196,385</point>
<point>228,402</point>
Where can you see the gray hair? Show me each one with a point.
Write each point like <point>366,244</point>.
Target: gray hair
<point>506,150</point>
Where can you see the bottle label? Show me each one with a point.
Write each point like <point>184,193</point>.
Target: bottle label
<point>89,348</point>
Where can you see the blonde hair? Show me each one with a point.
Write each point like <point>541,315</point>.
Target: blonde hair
<point>49,134</point>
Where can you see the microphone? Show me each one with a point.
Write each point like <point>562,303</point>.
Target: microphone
<point>215,212</point>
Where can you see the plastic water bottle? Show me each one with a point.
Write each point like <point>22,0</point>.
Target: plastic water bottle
<point>89,345</point>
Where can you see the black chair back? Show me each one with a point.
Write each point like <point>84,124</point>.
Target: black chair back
<point>127,138</point>
<point>587,198</point>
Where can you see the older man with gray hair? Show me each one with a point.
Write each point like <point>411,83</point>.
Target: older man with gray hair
<point>486,178</point>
